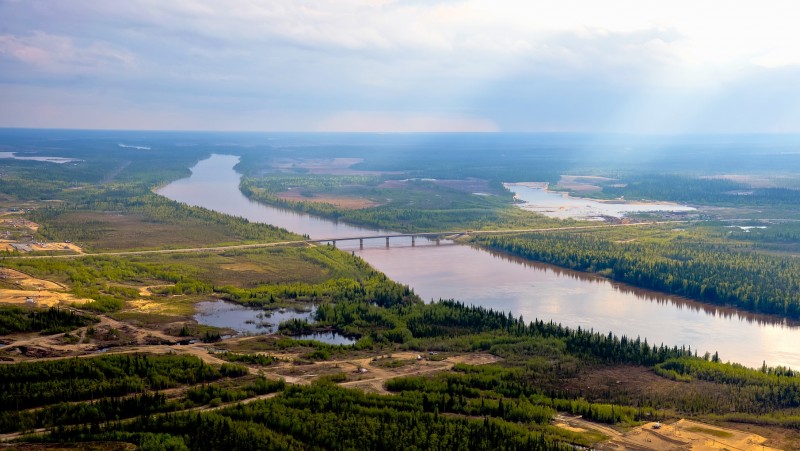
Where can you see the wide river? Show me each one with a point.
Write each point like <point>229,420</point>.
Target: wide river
<point>524,288</point>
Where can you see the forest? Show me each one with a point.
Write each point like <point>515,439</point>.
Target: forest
<point>237,394</point>
<point>469,407</point>
<point>14,319</point>
<point>717,273</point>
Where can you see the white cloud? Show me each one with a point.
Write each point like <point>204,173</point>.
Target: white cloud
<point>502,61</point>
<point>778,57</point>
<point>52,53</point>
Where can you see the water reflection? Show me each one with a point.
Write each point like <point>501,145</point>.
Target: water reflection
<point>251,321</point>
<point>648,295</point>
<point>506,283</point>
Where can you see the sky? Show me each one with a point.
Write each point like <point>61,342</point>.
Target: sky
<point>620,66</point>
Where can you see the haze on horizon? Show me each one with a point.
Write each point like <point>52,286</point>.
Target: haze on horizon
<point>629,66</point>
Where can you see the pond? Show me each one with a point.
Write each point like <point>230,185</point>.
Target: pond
<point>251,321</point>
<point>506,283</point>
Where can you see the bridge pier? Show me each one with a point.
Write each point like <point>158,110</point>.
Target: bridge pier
<point>387,242</point>
<point>361,243</point>
<point>334,243</point>
<point>413,241</point>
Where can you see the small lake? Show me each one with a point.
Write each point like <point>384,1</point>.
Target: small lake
<point>564,206</point>
<point>506,283</point>
<point>251,321</point>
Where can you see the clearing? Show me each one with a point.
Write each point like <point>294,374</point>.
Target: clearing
<point>343,202</point>
<point>686,435</point>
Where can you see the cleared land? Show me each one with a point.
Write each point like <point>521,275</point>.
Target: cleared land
<point>582,183</point>
<point>343,202</point>
<point>330,166</point>
<point>687,435</point>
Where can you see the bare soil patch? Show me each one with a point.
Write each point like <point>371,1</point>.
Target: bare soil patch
<point>370,373</point>
<point>686,434</point>
<point>26,281</point>
<point>343,202</point>
<point>330,166</point>
<point>41,247</point>
<point>16,222</point>
<point>39,298</point>
<point>146,291</point>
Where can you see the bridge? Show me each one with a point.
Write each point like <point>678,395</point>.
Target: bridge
<point>454,234</point>
<point>437,236</point>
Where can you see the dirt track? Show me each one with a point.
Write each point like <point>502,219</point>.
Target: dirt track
<point>679,436</point>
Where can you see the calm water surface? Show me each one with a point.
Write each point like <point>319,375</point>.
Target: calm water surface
<point>250,321</point>
<point>507,283</point>
<point>564,206</point>
<point>57,160</point>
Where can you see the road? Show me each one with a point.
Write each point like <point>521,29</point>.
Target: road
<point>311,242</point>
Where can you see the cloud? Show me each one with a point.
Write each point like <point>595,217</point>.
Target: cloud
<point>372,121</point>
<point>778,57</point>
<point>617,65</point>
<point>62,54</point>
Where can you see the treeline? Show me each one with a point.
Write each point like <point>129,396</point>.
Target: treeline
<point>324,416</point>
<point>702,191</point>
<point>540,356</point>
<point>430,209</point>
<point>215,394</point>
<point>377,289</point>
<point>714,273</point>
<point>514,400</point>
<point>27,385</point>
<point>760,392</point>
<point>46,321</point>
<point>504,335</point>
<point>502,392</point>
<point>100,411</point>
<point>109,409</point>
<point>137,199</point>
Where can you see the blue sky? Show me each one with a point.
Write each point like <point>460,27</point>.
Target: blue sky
<point>634,66</point>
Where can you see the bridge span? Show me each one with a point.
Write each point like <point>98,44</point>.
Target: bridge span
<point>460,233</point>
<point>436,236</point>
<point>432,235</point>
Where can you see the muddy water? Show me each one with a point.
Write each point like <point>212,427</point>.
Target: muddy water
<point>507,283</point>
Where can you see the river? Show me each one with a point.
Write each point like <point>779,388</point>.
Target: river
<point>507,283</point>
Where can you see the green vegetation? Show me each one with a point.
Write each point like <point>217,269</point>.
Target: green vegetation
<point>109,280</point>
<point>513,401</point>
<point>253,359</point>
<point>105,202</point>
<point>413,206</point>
<point>50,321</point>
<point>27,385</point>
<point>131,217</point>
<point>327,417</point>
<point>677,263</point>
